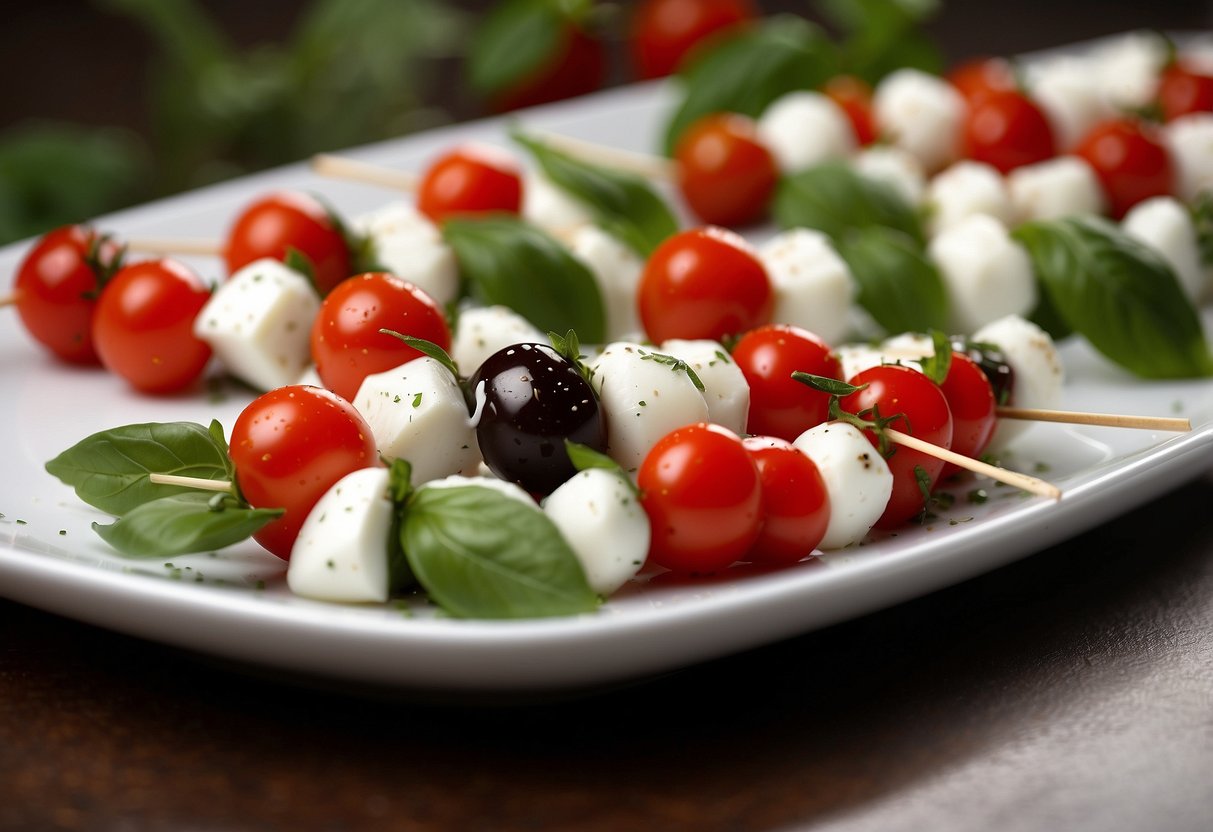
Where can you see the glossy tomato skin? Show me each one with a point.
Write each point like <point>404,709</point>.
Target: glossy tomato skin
<point>779,405</point>
<point>795,503</point>
<point>725,173</point>
<point>347,345</point>
<point>56,290</point>
<point>470,180</point>
<point>1131,161</point>
<point>922,411</point>
<point>1183,90</point>
<point>663,32</point>
<point>577,66</point>
<point>854,96</point>
<point>289,446</point>
<point>1007,130</point>
<point>974,409</point>
<point>703,495</point>
<point>976,78</point>
<point>143,327</point>
<point>703,283</point>
<point>280,222</point>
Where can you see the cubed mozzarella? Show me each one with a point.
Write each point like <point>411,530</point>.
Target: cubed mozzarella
<point>1068,91</point>
<point>616,269</point>
<point>1190,138</point>
<point>417,413</point>
<point>857,357</point>
<point>895,167</point>
<point>259,324</point>
<point>1037,368</point>
<point>802,129</point>
<point>857,480</point>
<point>643,398</point>
<point>726,392</point>
<point>341,551</point>
<point>921,113</point>
<point>1165,225</point>
<point>813,286</point>
<point>604,524</point>
<point>1060,187</point>
<point>481,331</point>
<point>405,243</point>
<point>966,189</point>
<point>1128,67</point>
<point>987,274</point>
<point>552,208</point>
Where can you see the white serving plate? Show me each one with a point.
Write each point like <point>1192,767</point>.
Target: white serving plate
<point>235,605</point>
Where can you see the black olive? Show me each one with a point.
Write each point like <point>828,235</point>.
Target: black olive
<point>533,399</point>
<point>993,363</point>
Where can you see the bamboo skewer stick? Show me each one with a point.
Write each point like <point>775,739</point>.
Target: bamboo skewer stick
<point>9,299</point>
<point>1111,420</point>
<point>1013,478</point>
<point>641,164</point>
<point>179,245</point>
<point>342,168</point>
<point>201,483</point>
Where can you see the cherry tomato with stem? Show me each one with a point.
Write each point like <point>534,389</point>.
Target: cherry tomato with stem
<point>854,96</point>
<point>470,180</point>
<point>795,502</point>
<point>978,77</point>
<point>284,222</point>
<point>143,327</point>
<point>1131,161</point>
<point>703,495</point>
<point>703,283</point>
<point>663,32</point>
<point>779,405</point>
<point>57,286</point>
<point>347,344</point>
<point>725,173</point>
<point>1183,90</point>
<point>1007,130</point>
<point>289,446</point>
<point>974,409</point>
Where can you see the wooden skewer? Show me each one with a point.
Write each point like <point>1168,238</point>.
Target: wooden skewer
<point>641,164</point>
<point>1013,478</point>
<point>342,168</point>
<point>9,299</point>
<point>180,245</point>
<point>1111,420</point>
<point>200,483</point>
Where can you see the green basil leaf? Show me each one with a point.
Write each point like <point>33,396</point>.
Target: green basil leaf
<point>509,262</point>
<point>109,470</point>
<point>585,458</point>
<point>1120,295</point>
<point>746,72</point>
<point>480,554</point>
<point>184,523</point>
<point>898,286</point>
<point>936,365</point>
<point>622,203</point>
<point>428,349</point>
<point>825,384</point>
<point>883,35</point>
<point>516,39</point>
<point>834,199</point>
<point>1202,221</point>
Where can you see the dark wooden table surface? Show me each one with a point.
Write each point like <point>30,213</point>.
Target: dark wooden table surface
<point>1070,691</point>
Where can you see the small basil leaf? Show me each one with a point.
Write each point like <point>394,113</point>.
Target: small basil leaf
<point>898,286</point>
<point>1120,295</point>
<point>585,458</point>
<point>834,199</point>
<point>936,365</point>
<point>428,349</point>
<point>623,204</point>
<point>481,554</point>
<point>747,71</point>
<point>824,384</point>
<point>109,470</point>
<point>882,35</point>
<point>516,39</point>
<point>514,264</point>
<point>184,523</point>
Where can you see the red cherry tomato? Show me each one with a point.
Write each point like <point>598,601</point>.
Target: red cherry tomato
<point>663,32</point>
<point>974,409</point>
<point>578,65</point>
<point>289,446</point>
<point>143,327</point>
<point>922,411</point>
<point>703,495</point>
<point>977,78</point>
<point>1130,159</point>
<point>470,180</point>
<point>725,173</point>
<point>1007,129</point>
<point>57,286</point>
<point>854,96</point>
<point>795,503</point>
<point>780,405</point>
<point>1183,90</point>
<point>281,222</point>
<point>703,283</point>
<point>347,345</point>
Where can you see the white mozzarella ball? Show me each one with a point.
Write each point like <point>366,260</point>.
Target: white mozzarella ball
<point>895,167</point>
<point>813,286</point>
<point>802,129</point>
<point>1190,138</point>
<point>259,324</point>
<point>966,189</point>
<point>726,392</point>
<point>408,245</point>
<point>605,526</point>
<point>551,207</point>
<point>987,274</point>
<point>855,358</point>
<point>1068,91</point>
<point>642,400</point>
<point>856,476</point>
<point>483,330</point>
<point>1037,368</point>
<point>616,269</point>
<point>1059,187</point>
<point>1164,224</point>
<point>921,113</point>
<point>341,551</point>
<point>1128,67</point>
<point>417,413</point>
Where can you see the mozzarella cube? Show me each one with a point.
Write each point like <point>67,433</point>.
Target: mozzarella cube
<point>1165,225</point>
<point>987,274</point>
<point>1068,91</point>
<point>259,324</point>
<point>966,189</point>
<point>857,480</point>
<point>726,392</point>
<point>920,113</point>
<point>897,168</point>
<point>407,244</point>
<point>813,286</point>
<point>341,551</point>
<point>1060,187</point>
<point>551,207</point>
<point>1037,368</point>
<point>1128,67</point>
<point>1190,138</point>
<point>483,330</point>
<point>616,269</point>
<point>855,358</point>
<point>604,524</point>
<point>417,413</point>
<point>802,129</point>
